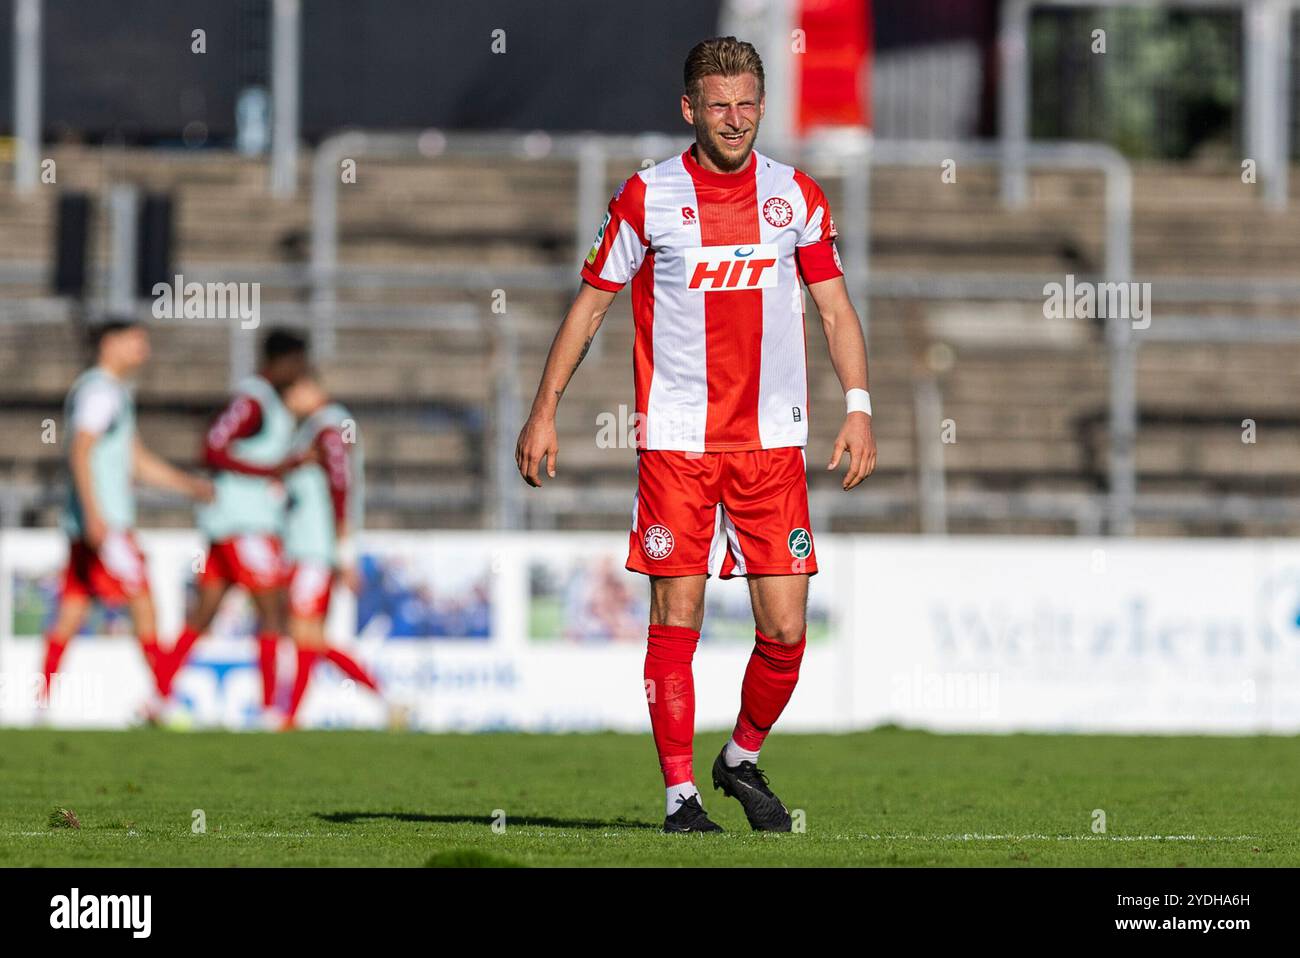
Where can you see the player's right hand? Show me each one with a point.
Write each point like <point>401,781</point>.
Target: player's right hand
<point>351,578</point>
<point>537,442</point>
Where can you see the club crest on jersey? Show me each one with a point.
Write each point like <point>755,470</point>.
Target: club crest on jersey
<point>658,542</point>
<point>799,543</point>
<point>778,212</point>
<point>725,268</point>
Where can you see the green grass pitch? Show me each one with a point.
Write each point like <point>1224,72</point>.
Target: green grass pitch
<point>888,797</point>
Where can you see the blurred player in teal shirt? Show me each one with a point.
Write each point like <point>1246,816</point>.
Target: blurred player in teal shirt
<point>105,458</point>
<point>249,449</point>
<point>325,509</point>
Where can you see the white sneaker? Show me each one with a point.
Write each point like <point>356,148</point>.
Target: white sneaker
<point>175,717</point>
<point>151,710</point>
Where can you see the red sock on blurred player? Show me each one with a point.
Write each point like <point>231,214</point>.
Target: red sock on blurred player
<point>670,693</point>
<point>306,660</point>
<point>770,678</point>
<point>54,648</point>
<point>267,645</point>
<point>352,668</point>
<point>154,657</point>
<point>170,663</point>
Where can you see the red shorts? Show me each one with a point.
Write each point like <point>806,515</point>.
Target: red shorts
<point>310,584</point>
<point>721,513</point>
<point>113,573</point>
<point>254,561</point>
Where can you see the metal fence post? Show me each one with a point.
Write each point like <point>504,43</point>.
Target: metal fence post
<point>856,221</point>
<point>324,236</point>
<point>27,93</point>
<point>927,403</point>
<point>590,204</point>
<point>123,220</point>
<point>506,499</point>
<point>1278,185</point>
<point>1013,100</point>
<point>286,42</point>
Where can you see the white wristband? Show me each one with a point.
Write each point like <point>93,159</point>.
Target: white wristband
<point>858,400</point>
<point>347,551</point>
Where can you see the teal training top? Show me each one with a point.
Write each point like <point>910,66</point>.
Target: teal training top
<point>111,457</point>
<point>252,504</point>
<point>309,533</point>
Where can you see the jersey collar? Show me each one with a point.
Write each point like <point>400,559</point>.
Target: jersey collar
<point>725,180</point>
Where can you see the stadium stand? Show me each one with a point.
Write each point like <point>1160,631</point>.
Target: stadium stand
<point>1027,395</point>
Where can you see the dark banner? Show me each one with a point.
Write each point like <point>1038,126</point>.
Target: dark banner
<point>131,70</point>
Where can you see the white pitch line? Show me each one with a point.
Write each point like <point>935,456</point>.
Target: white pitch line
<point>970,837</point>
<point>214,834</point>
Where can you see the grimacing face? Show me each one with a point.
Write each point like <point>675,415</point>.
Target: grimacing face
<point>726,116</point>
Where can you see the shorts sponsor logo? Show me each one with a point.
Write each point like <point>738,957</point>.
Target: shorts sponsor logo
<point>778,212</point>
<point>799,543</point>
<point>722,268</point>
<point>658,542</point>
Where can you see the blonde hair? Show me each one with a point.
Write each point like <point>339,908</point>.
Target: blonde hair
<point>720,56</point>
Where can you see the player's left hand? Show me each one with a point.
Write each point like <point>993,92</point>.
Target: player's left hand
<point>856,439</point>
<point>202,490</point>
<point>538,444</point>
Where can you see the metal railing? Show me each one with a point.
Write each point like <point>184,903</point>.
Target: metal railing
<point>850,160</point>
<point>846,154</point>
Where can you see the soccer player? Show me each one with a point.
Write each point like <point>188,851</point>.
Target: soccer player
<point>249,449</point>
<point>105,455</point>
<point>325,509</point>
<point>715,242</point>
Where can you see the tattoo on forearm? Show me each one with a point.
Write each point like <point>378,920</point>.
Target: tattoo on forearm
<point>559,393</point>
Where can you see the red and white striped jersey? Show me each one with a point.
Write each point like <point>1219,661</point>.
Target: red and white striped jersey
<point>715,259</point>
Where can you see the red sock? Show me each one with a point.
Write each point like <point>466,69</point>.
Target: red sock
<point>267,644</point>
<point>306,659</point>
<point>670,693</point>
<point>152,656</point>
<point>770,679</point>
<point>54,648</point>
<point>352,668</point>
<point>170,664</point>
